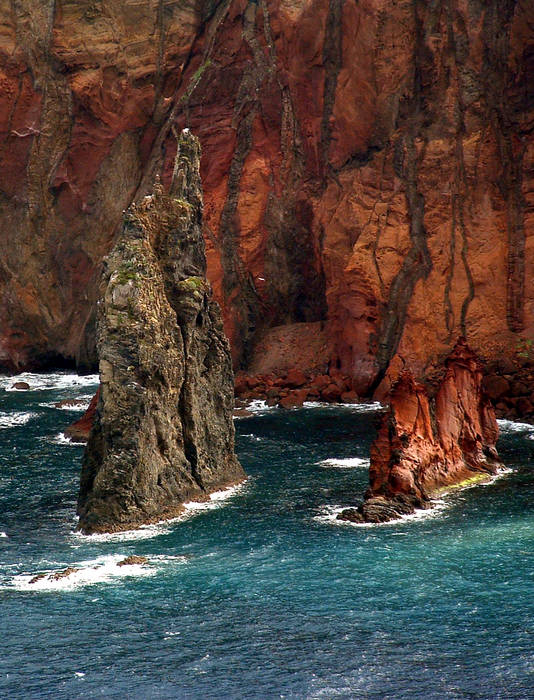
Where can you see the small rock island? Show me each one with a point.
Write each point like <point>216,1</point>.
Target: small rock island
<point>434,435</point>
<point>163,432</point>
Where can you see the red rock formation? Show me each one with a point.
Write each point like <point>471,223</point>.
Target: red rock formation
<point>80,429</point>
<point>430,439</point>
<point>366,165</point>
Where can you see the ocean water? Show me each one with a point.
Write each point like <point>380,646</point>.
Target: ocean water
<point>260,593</point>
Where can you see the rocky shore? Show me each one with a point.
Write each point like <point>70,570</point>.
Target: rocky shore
<point>293,388</point>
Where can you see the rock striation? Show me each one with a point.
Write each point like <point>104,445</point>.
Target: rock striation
<point>433,436</point>
<point>369,167</point>
<point>163,432</point>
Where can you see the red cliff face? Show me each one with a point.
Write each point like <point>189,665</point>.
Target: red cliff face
<point>367,166</point>
<point>429,440</point>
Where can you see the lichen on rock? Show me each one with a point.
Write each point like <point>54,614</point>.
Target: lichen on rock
<point>163,432</point>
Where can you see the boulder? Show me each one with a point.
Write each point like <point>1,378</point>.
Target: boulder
<point>331,393</point>
<point>496,386</point>
<point>132,560</point>
<point>21,386</point>
<point>295,379</point>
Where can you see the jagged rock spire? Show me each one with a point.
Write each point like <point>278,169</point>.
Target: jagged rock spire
<point>163,432</point>
<point>430,439</point>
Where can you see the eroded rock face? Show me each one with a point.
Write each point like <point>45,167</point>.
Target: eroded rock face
<point>367,165</point>
<point>163,432</point>
<point>430,438</point>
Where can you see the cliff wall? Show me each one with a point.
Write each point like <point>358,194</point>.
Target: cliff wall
<point>367,166</point>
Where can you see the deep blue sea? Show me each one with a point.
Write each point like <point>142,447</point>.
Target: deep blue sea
<point>261,594</point>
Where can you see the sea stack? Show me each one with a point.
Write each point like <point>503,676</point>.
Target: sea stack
<point>434,435</point>
<point>163,432</point>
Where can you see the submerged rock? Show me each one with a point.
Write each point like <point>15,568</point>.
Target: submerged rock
<point>21,386</point>
<point>133,559</point>
<point>430,438</point>
<point>63,574</point>
<point>163,432</point>
<point>57,576</point>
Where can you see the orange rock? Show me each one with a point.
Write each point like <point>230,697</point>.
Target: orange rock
<point>240,384</point>
<point>331,393</point>
<point>320,382</point>
<point>295,379</point>
<point>427,442</point>
<point>294,399</point>
<point>349,397</point>
<point>368,192</point>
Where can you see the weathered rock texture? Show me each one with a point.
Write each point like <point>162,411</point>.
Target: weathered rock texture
<point>369,165</point>
<point>430,438</point>
<point>163,432</point>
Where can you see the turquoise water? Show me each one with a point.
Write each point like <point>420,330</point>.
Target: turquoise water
<point>262,595</point>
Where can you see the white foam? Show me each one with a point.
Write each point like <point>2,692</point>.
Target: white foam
<point>80,407</point>
<point>356,407</point>
<point>488,481</point>
<point>259,406</point>
<point>53,380</point>
<point>3,534</point>
<point>365,407</point>
<point>102,570</point>
<point>216,499</point>
<point>345,463</point>
<point>62,439</point>
<point>163,527</point>
<point>329,515</point>
<point>510,426</point>
<point>10,420</point>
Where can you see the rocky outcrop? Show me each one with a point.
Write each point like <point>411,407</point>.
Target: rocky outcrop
<point>80,430</point>
<point>368,166</point>
<point>433,436</point>
<point>163,432</point>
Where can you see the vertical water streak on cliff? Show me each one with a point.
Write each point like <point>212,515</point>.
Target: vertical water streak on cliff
<point>497,77</point>
<point>239,293</point>
<point>332,60</point>
<point>460,183</point>
<point>417,263</point>
<point>167,111</point>
<point>295,282</point>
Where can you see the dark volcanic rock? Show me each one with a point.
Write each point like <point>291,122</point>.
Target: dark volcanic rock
<point>62,574</point>
<point>429,440</point>
<point>163,432</point>
<point>132,560</point>
<point>21,386</point>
